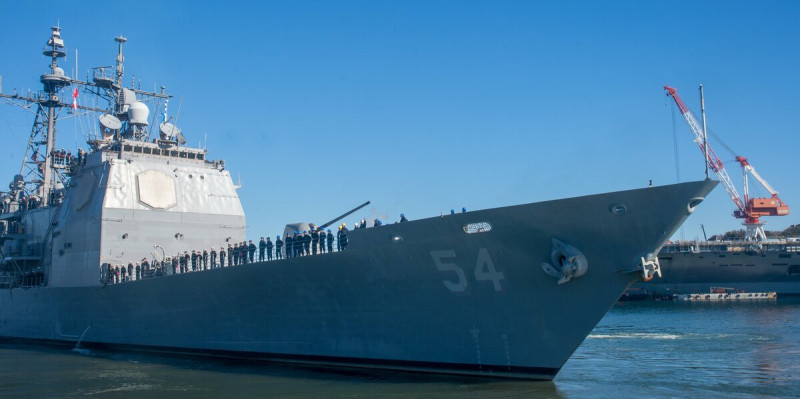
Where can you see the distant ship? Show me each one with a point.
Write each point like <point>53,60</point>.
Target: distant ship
<point>505,292</point>
<point>754,264</point>
<point>697,266</point>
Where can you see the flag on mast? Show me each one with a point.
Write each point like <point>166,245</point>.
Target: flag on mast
<point>75,98</point>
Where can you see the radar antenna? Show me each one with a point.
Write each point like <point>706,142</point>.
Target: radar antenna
<point>37,176</point>
<point>44,168</point>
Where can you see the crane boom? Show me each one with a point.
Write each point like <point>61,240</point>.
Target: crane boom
<point>749,209</point>
<point>713,162</point>
<point>749,168</point>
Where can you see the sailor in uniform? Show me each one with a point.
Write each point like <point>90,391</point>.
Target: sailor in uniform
<point>182,262</point>
<point>268,246</point>
<point>251,249</point>
<point>306,243</point>
<point>343,238</point>
<point>262,246</point>
<point>322,241</point>
<point>289,246</point>
<point>314,241</point>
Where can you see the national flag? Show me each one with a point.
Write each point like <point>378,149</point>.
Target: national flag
<point>75,98</point>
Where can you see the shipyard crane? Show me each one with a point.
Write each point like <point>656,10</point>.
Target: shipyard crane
<point>749,209</point>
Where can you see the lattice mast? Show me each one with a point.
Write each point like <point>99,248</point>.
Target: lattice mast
<point>37,169</point>
<point>126,118</point>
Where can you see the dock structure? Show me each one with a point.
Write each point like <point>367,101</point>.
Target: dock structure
<point>728,295</point>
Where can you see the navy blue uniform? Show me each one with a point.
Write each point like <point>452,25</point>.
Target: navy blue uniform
<point>262,246</point>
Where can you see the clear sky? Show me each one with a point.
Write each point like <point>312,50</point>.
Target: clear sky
<point>424,106</point>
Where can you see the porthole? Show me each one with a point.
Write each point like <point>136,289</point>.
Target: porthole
<point>618,209</point>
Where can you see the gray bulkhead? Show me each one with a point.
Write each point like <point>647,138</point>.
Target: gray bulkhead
<point>131,204</point>
<point>33,226</point>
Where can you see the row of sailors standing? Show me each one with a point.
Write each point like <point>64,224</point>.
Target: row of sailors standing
<point>298,244</point>
<point>120,273</point>
<point>307,243</point>
<point>236,254</point>
<point>65,158</point>
<point>294,245</point>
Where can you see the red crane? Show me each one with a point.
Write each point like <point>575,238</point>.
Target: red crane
<point>749,209</point>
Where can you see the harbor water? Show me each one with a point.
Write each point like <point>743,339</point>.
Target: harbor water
<point>640,349</point>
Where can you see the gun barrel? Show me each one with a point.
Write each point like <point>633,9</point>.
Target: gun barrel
<point>340,217</point>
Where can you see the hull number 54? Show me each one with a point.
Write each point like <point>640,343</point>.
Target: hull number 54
<point>457,278</point>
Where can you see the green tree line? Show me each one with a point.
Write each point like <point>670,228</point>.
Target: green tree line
<point>791,231</point>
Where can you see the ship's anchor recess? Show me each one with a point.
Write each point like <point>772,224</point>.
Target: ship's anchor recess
<point>567,262</point>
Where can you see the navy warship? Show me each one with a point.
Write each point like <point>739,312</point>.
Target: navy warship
<point>508,292</point>
<point>745,266</point>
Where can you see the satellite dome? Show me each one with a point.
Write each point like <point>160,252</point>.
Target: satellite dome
<point>58,71</point>
<point>138,113</point>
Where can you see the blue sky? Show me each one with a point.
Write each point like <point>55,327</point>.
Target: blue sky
<point>425,106</point>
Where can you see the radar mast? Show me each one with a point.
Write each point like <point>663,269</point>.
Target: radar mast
<point>44,169</point>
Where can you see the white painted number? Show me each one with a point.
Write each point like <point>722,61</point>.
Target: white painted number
<point>461,284</point>
<point>484,270</point>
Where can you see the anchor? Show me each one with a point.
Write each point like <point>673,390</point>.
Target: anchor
<point>567,262</point>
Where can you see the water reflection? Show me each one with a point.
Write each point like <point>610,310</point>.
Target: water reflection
<point>690,349</point>
<point>100,374</point>
<point>669,349</point>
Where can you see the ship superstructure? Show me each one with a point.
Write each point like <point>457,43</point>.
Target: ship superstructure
<point>503,292</point>
<point>131,194</point>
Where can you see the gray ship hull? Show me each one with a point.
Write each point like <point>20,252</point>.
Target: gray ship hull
<point>423,295</point>
<point>697,272</point>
